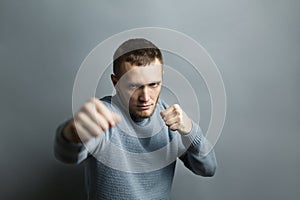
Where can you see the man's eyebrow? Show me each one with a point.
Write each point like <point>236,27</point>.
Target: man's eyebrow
<point>150,82</point>
<point>155,82</point>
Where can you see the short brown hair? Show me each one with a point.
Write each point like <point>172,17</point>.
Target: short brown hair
<point>138,51</point>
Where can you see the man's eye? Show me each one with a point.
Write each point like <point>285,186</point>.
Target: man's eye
<point>154,84</point>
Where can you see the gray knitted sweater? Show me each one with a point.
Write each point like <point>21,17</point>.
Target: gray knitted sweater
<point>136,159</point>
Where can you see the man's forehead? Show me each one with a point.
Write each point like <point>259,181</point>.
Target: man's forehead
<point>127,66</point>
<point>143,74</point>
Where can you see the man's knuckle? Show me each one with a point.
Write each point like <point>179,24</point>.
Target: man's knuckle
<point>176,106</point>
<point>96,132</point>
<point>80,116</point>
<point>85,107</point>
<point>179,119</point>
<point>105,126</point>
<point>93,100</point>
<point>109,116</point>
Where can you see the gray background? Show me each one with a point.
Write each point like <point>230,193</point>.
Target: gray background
<point>254,43</point>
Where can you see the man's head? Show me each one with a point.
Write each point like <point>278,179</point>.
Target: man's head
<point>137,77</point>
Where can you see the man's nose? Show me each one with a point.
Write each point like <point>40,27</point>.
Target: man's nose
<point>144,94</point>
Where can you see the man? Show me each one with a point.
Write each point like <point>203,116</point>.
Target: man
<point>129,142</point>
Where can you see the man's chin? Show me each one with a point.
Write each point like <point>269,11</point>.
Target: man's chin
<point>142,114</point>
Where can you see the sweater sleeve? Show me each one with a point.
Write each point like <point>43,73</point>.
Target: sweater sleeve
<point>66,151</point>
<point>199,156</point>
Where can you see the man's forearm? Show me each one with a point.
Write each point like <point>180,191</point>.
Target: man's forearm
<point>199,157</point>
<point>67,151</point>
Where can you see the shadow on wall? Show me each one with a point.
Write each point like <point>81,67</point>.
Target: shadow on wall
<point>60,183</point>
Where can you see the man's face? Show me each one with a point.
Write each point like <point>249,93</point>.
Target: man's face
<point>139,88</point>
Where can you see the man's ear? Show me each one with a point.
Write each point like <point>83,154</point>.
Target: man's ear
<point>114,79</point>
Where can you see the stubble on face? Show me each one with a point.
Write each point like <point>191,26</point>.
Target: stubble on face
<point>137,112</point>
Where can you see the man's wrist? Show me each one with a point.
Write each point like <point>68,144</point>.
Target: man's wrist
<point>69,133</point>
<point>188,129</point>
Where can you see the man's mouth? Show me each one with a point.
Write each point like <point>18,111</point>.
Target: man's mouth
<point>144,107</point>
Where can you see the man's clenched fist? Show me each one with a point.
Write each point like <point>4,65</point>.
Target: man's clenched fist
<point>177,119</point>
<point>92,119</point>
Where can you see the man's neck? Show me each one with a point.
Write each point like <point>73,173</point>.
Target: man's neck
<point>139,120</point>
